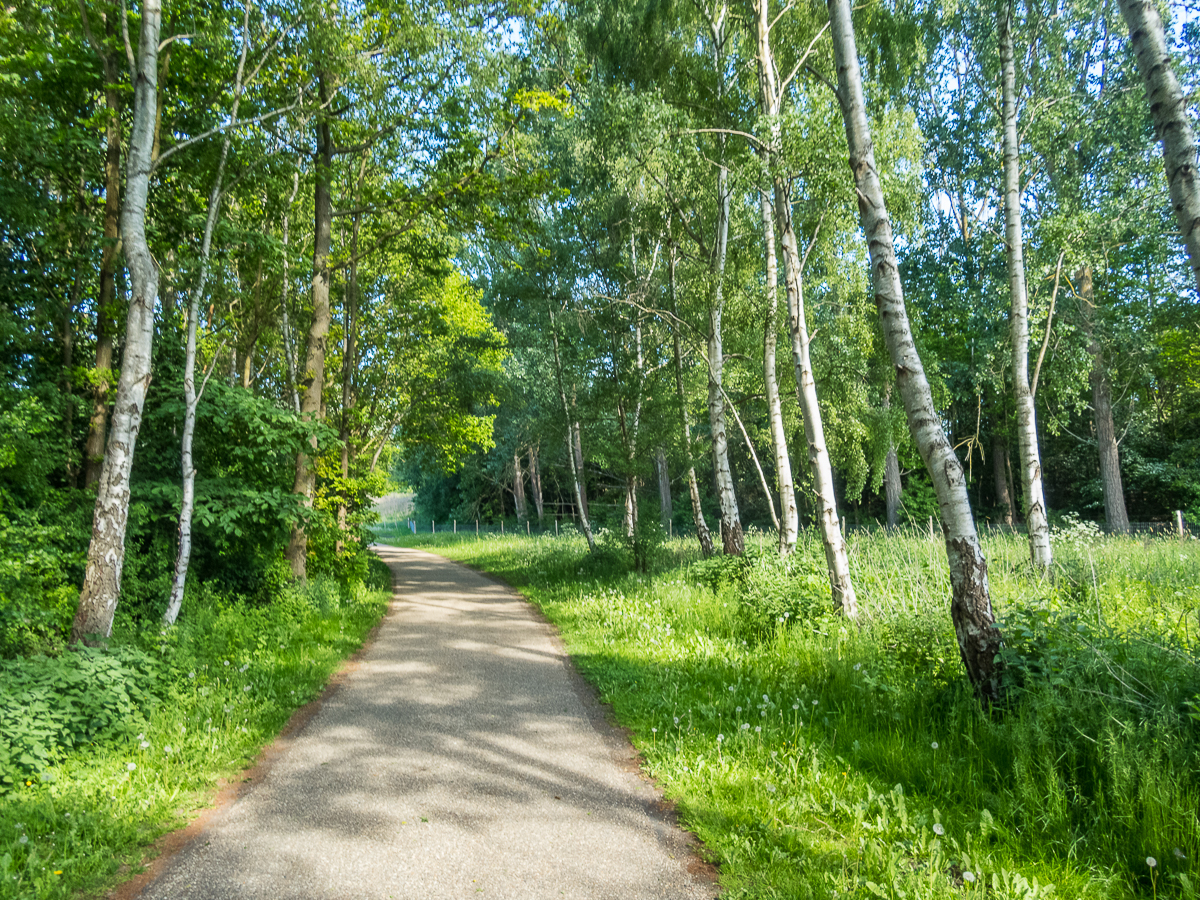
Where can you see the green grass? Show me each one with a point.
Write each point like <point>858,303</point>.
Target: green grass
<point>205,697</point>
<point>816,759</point>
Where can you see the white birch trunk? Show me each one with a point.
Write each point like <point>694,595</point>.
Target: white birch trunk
<point>979,639</point>
<point>789,517</point>
<point>836,558</point>
<point>106,551</point>
<point>731,524</point>
<point>1031,463</point>
<point>191,396</point>
<point>1168,109</point>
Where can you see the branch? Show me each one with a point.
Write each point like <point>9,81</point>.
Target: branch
<point>220,128</point>
<point>1037,370</point>
<point>751,138</point>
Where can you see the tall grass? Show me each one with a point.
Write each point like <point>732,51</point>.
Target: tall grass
<point>820,759</point>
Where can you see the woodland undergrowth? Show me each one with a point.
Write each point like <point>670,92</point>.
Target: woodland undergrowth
<point>816,758</point>
<point>103,751</point>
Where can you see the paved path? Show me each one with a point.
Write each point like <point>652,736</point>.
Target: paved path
<point>462,758</point>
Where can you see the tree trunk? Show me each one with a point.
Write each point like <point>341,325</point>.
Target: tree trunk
<point>191,397</point>
<point>576,441</point>
<point>1115,516</point>
<point>535,484</point>
<point>574,446</point>
<point>789,517</point>
<point>1168,109</point>
<point>1031,463</point>
<point>349,366</point>
<point>106,312</point>
<point>289,347</point>
<point>664,487</point>
<point>702,532</point>
<point>979,639</point>
<point>519,488</point>
<point>771,100</point>
<point>731,524</point>
<point>106,551</point>
<point>892,487</point>
<point>313,382</point>
<point>1000,472</point>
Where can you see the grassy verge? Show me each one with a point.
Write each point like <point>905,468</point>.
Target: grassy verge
<point>816,759</point>
<point>105,752</point>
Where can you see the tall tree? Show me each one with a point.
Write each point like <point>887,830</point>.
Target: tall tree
<point>1168,108</point>
<point>1031,461</point>
<point>979,639</point>
<point>106,552</point>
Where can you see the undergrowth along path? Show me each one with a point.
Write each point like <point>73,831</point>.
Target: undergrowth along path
<point>462,757</point>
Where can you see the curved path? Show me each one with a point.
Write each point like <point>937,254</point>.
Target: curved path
<point>461,757</point>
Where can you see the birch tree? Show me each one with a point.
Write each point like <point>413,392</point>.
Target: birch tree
<point>1168,109</point>
<point>771,95</point>
<point>106,551</point>
<point>1031,462</point>
<point>979,639</point>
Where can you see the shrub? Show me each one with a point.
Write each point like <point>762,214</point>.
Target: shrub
<point>52,705</point>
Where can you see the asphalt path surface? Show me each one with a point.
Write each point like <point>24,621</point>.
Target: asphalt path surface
<point>462,757</point>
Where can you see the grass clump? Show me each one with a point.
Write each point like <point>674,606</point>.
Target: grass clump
<point>103,751</point>
<point>820,759</point>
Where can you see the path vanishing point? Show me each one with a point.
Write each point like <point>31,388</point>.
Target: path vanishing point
<point>462,757</point>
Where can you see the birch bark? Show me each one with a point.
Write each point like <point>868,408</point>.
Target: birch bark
<point>702,532</point>
<point>731,524</point>
<point>1031,464</point>
<point>836,559</point>
<point>106,551</point>
<point>191,397</point>
<point>789,517</point>
<point>979,639</point>
<point>1168,109</point>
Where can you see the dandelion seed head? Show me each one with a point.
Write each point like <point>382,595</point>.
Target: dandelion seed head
<point>938,829</point>
<point>934,745</point>
<point>720,737</point>
<point>23,839</point>
<point>1151,861</point>
<point>131,766</point>
<point>968,877</point>
<point>795,706</point>
<point>745,726</point>
<point>145,744</point>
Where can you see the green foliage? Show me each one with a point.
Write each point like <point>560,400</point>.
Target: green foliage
<point>50,706</point>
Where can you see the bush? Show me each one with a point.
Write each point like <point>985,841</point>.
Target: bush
<point>52,705</point>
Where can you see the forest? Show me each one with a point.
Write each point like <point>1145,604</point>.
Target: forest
<point>735,294</point>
